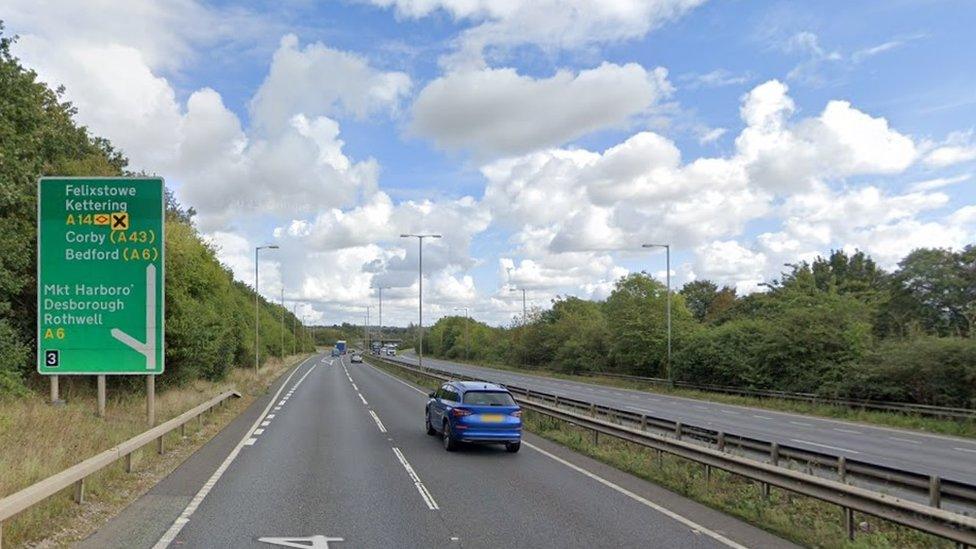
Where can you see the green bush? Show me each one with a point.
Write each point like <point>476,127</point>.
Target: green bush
<point>927,370</point>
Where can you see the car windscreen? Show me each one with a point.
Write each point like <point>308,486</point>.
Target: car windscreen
<point>488,398</point>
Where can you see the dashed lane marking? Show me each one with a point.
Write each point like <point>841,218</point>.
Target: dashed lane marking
<point>379,424</point>
<point>424,493</point>
<point>908,440</point>
<point>838,448</point>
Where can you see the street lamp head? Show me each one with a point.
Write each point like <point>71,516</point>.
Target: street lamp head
<point>406,235</point>
<point>653,245</point>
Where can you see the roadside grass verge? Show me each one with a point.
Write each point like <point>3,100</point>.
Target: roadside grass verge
<point>800,519</point>
<point>897,420</point>
<point>38,440</point>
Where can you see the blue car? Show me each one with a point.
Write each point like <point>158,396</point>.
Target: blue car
<point>469,411</point>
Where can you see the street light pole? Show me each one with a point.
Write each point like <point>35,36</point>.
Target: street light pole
<point>282,322</point>
<point>366,331</point>
<point>524,311</point>
<point>420,295</point>
<point>667,250</point>
<point>294,329</point>
<point>257,317</point>
<point>467,342</point>
<point>380,327</point>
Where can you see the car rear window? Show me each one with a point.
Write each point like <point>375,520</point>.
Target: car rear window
<point>488,398</point>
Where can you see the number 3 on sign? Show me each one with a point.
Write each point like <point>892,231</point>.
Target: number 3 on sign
<point>54,334</point>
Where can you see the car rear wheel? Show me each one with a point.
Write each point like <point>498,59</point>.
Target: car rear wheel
<point>430,428</point>
<point>449,443</point>
<point>512,447</point>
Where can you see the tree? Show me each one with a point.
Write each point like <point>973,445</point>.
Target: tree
<point>637,322</point>
<point>933,289</point>
<point>699,295</point>
<point>706,300</point>
<point>38,136</point>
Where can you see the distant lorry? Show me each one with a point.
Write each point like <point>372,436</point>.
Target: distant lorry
<point>341,346</point>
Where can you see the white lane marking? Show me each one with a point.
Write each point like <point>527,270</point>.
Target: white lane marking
<point>906,440</point>
<point>965,450</point>
<point>277,408</point>
<point>700,407</point>
<point>825,446</point>
<point>317,542</point>
<point>362,399</point>
<point>269,416</point>
<point>729,412</point>
<point>354,386</point>
<point>801,424</point>
<point>259,431</point>
<point>265,423</point>
<point>248,440</point>
<point>850,431</point>
<point>281,403</point>
<point>761,417</point>
<point>424,493</point>
<point>695,527</point>
<point>379,424</point>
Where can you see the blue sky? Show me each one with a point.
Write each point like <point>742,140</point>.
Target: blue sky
<point>550,136</point>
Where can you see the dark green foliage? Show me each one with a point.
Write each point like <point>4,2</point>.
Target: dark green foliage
<point>209,317</point>
<point>705,300</point>
<point>929,370</point>
<point>37,137</point>
<point>933,292</point>
<point>792,340</point>
<point>636,316</point>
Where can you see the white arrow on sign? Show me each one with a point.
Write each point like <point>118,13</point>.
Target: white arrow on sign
<point>147,349</point>
<point>312,542</point>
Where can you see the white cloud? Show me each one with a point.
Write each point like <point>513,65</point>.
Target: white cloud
<point>578,204</point>
<point>318,80</point>
<point>711,135</point>
<point>958,147</point>
<point>938,182</point>
<point>841,142</point>
<point>499,112</point>
<point>548,24</point>
<point>728,262</point>
<point>714,79</point>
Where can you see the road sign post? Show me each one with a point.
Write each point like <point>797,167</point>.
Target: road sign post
<point>100,274</point>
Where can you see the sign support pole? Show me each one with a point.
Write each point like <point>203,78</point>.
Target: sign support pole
<point>55,397</point>
<point>101,396</point>
<point>151,399</point>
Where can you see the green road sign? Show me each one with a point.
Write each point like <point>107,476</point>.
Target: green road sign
<point>100,275</point>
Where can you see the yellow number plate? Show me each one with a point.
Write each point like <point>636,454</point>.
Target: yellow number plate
<point>492,418</point>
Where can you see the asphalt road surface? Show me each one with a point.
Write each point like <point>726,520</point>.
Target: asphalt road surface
<point>949,457</point>
<point>340,452</point>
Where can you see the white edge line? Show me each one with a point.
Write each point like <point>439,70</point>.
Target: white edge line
<point>965,450</point>
<point>667,512</point>
<point>184,517</point>
<point>838,448</point>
